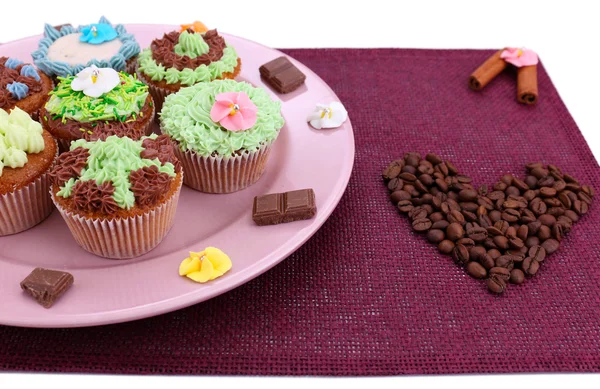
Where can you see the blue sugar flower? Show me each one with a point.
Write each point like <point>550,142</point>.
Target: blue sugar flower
<point>96,34</point>
<point>29,71</point>
<point>12,63</point>
<point>18,90</point>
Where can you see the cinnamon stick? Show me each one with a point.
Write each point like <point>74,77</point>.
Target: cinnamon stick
<point>527,87</point>
<point>487,71</point>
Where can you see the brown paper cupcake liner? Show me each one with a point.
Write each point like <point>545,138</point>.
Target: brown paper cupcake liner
<point>65,144</point>
<point>124,237</point>
<point>26,207</point>
<point>220,175</point>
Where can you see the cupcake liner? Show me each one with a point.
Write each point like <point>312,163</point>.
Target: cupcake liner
<point>131,65</point>
<point>26,207</point>
<point>220,175</point>
<point>124,237</point>
<point>65,144</point>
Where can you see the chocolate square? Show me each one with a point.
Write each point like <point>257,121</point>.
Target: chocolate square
<point>299,205</point>
<point>282,75</point>
<point>268,209</point>
<point>47,286</point>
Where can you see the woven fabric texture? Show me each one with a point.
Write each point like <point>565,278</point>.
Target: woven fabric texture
<point>366,295</point>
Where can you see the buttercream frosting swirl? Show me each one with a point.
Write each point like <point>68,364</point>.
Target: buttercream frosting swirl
<point>17,81</point>
<point>185,117</point>
<point>19,135</point>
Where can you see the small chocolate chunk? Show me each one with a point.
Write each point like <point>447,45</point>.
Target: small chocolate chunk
<point>47,286</point>
<point>282,75</point>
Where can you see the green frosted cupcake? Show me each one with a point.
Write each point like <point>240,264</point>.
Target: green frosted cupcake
<point>223,132</point>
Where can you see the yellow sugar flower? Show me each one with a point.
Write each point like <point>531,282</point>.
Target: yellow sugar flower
<point>206,265</point>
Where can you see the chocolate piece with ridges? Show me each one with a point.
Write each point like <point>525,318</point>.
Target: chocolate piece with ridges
<point>47,286</point>
<point>276,208</point>
<point>282,75</point>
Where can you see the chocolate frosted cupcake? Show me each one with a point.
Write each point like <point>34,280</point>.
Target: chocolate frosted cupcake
<point>23,86</point>
<point>180,59</point>
<point>65,50</point>
<point>223,132</point>
<point>26,155</point>
<point>98,103</point>
<point>118,196</point>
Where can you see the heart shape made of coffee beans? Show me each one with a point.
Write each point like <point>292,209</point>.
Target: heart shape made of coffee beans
<point>502,235</point>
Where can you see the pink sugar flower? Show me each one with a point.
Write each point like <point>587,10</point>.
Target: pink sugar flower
<point>234,111</point>
<point>519,57</point>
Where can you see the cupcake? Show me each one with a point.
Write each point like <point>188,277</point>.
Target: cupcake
<point>181,59</point>
<point>23,86</point>
<point>118,196</point>
<point>65,51</point>
<point>27,153</point>
<point>98,103</point>
<point>222,133</point>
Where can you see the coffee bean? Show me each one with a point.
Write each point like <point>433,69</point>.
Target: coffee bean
<point>500,272</point>
<point>476,270</point>
<point>426,179</point>
<point>468,206</point>
<point>559,185</point>
<point>399,195</point>
<point>517,276</point>
<point>468,243</point>
<point>505,261</point>
<point>501,242</point>
<point>495,216</point>
<point>546,182</point>
<point>440,225</point>
<point>456,217</point>
<point>425,169</point>
<point>539,172</point>
<point>395,184</point>
<point>552,202</point>
<point>451,168</point>
<point>511,232</point>
<point>512,191</point>
<point>530,266</point>
<point>521,185</point>
<point>461,254</point>
<point>570,179</point>
<point>572,215</point>
<point>446,246</point>
<point>487,261</point>
<point>534,227</point>
<point>558,232</point>
<point>478,234</point>
<point>507,179</point>
<point>573,187</point>
<point>501,186</point>
<point>516,243</point>
<point>412,159</point>
<point>551,246</point>
<point>422,224</point>
<point>585,198</point>
<point>441,184</point>
<point>523,232</point>
<point>455,231</point>
<point>442,168</point>
<point>408,177</point>
<point>544,233</point>
<point>392,171</point>
<point>532,241</point>
<point>531,182</point>
<point>485,221</point>
<point>527,216</point>
<point>532,165</point>
<point>556,211</point>
<point>580,207</point>
<point>538,206</point>
<point>537,252</point>
<point>564,199</point>
<point>529,195</point>
<point>433,158</point>
<point>494,253</point>
<point>409,169</point>
<point>417,213</point>
<point>476,252</point>
<point>589,190</point>
<point>547,220</point>
<point>489,244</point>
<point>436,217</point>
<point>421,187</point>
<point>435,236</point>
<point>511,215</point>
<point>468,195</point>
<point>483,190</point>
<point>502,225</point>
<point>496,195</point>
<point>496,285</point>
<point>405,206</point>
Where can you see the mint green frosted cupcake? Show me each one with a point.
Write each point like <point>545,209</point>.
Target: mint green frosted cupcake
<point>181,59</point>
<point>223,132</point>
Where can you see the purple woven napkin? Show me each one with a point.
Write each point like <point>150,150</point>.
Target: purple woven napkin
<point>366,295</point>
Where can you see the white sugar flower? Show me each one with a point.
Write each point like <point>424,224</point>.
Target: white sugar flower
<point>328,116</point>
<point>94,81</point>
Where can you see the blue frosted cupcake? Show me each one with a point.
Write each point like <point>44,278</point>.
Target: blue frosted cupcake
<point>65,51</point>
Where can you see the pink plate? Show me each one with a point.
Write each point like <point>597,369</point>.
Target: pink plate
<point>108,291</point>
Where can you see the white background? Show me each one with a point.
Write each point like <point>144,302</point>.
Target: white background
<point>564,34</point>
